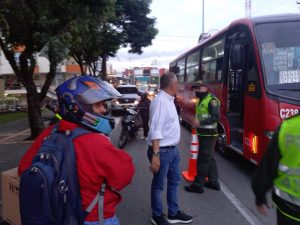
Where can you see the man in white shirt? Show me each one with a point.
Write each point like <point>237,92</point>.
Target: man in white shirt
<point>163,138</point>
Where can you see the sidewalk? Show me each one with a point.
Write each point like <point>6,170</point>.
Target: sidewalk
<point>12,147</point>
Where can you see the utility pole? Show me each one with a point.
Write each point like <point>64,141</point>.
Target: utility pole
<point>298,3</point>
<point>248,8</point>
<point>202,16</point>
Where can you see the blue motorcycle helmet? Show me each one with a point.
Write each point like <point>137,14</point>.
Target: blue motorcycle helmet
<point>75,98</point>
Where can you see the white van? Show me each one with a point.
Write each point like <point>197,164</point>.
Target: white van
<point>130,97</point>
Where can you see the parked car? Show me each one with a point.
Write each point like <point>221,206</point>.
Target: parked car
<point>9,104</point>
<point>130,97</point>
<point>3,106</point>
<point>143,89</point>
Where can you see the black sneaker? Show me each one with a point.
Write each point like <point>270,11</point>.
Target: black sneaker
<point>159,220</point>
<point>194,188</point>
<point>180,217</point>
<point>213,186</point>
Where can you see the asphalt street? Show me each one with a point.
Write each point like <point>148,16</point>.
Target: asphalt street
<point>233,205</point>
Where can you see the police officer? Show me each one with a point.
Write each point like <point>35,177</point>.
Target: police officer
<point>280,169</point>
<point>207,113</point>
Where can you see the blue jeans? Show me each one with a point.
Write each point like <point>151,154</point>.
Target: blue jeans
<point>109,221</point>
<point>169,168</point>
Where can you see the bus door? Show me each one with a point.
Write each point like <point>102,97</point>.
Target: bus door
<point>244,107</point>
<point>236,49</point>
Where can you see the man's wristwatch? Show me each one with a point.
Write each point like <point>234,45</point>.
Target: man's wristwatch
<point>156,154</point>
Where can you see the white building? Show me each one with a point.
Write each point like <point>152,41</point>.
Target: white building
<point>10,87</point>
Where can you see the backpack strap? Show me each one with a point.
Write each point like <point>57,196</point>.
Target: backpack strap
<point>99,198</point>
<point>76,132</point>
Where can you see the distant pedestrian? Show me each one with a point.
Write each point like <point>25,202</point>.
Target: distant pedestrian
<point>280,170</point>
<point>144,107</point>
<point>207,113</point>
<point>163,153</point>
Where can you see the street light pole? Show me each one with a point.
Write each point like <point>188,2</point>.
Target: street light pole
<point>202,16</point>
<point>298,3</point>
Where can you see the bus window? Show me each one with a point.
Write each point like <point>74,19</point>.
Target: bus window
<point>192,65</point>
<point>181,67</point>
<point>252,80</point>
<point>212,59</point>
<point>235,83</point>
<point>237,47</point>
<point>253,67</point>
<point>280,50</point>
<point>174,69</point>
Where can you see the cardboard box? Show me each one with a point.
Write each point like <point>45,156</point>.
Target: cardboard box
<point>10,196</point>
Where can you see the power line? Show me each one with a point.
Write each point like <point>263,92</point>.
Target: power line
<point>178,36</point>
<point>176,41</point>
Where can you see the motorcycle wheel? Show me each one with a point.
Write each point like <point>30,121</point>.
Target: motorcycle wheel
<point>123,138</point>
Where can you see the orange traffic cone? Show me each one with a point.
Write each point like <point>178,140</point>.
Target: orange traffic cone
<point>192,170</point>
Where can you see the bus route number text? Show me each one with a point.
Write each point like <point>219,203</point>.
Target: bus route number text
<point>286,113</point>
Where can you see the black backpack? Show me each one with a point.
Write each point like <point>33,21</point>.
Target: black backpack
<point>49,189</point>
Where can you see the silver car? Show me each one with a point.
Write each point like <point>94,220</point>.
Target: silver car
<point>130,97</point>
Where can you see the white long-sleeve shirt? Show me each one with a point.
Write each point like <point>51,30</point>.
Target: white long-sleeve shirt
<point>164,121</point>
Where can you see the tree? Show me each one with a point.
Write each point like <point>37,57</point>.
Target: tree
<point>135,29</point>
<point>84,38</point>
<point>126,24</point>
<point>90,29</point>
<point>30,25</point>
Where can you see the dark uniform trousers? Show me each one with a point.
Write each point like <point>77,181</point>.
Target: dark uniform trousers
<point>145,125</point>
<point>206,163</point>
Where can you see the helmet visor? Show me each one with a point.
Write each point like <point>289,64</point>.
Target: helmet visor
<point>101,92</point>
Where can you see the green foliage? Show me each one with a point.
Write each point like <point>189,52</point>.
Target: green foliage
<point>139,28</point>
<point>7,117</point>
<point>88,30</point>
<point>121,23</point>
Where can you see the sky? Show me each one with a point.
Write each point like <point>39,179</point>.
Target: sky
<point>179,23</point>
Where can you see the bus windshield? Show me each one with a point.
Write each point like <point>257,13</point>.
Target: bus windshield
<point>280,51</point>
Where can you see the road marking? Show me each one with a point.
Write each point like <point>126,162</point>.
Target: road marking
<point>15,142</point>
<point>6,134</point>
<point>10,136</point>
<point>248,215</point>
<point>14,135</point>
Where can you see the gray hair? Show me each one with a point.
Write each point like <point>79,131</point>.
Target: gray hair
<point>166,80</point>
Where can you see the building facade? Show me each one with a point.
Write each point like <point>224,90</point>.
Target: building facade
<point>10,88</point>
<point>143,76</point>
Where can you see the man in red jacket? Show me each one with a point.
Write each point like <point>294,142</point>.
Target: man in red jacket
<point>82,104</point>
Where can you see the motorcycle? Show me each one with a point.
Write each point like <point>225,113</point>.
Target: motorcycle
<point>131,123</point>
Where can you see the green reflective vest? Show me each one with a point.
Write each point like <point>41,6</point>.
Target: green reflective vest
<point>202,112</point>
<point>287,184</point>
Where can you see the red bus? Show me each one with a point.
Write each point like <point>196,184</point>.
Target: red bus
<point>253,67</point>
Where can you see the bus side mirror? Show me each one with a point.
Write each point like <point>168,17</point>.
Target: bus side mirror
<point>236,57</point>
